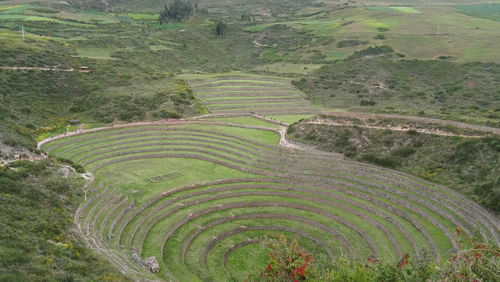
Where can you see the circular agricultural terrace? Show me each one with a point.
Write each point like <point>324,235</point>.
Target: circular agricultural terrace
<point>201,195</point>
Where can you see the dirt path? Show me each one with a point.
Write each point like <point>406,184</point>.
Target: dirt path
<point>422,119</point>
<point>285,143</point>
<point>394,128</point>
<point>44,69</point>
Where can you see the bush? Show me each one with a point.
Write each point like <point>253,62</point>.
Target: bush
<point>177,11</point>
<point>373,51</point>
<point>403,152</point>
<point>350,43</point>
<point>365,102</point>
<point>477,263</point>
<point>287,260</point>
<point>386,161</point>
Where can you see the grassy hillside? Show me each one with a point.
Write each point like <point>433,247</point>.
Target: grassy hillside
<point>420,33</point>
<point>458,91</point>
<point>44,248</point>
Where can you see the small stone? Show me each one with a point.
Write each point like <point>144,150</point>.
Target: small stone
<point>152,264</point>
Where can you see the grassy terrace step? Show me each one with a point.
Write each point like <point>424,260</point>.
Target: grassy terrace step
<point>239,79</point>
<point>267,88</point>
<point>237,246</point>
<point>245,83</point>
<point>261,111</point>
<point>293,104</point>
<point>249,99</point>
<point>246,94</point>
<point>257,100</point>
<point>237,185</point>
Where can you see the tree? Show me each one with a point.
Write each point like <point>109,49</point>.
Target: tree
<point>246,17</point>
<point>220,28</point>
<point>177,11</point>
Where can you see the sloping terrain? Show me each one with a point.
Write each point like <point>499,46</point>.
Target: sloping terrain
<point>250,94</point>
<point>463,157</point>
<point>232,184</point>
<point>179,131</point>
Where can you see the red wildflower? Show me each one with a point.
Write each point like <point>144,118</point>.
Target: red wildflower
<point>269,267</point>
<point>404,261</point>
<point>478,256</point>
<point>301,271</point>
<point>458,231</point>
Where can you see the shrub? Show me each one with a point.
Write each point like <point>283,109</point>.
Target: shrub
<point>403,152</point>
<point>350,43</point>
<point>287,260</point>
<point>365,102</point>
<point>177,11</point>
<point>478,263</point>
<point>373,51</point>
<point>386,161</point>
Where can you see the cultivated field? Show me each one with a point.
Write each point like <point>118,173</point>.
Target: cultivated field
<point>234,185</point>
<point>242,93</point>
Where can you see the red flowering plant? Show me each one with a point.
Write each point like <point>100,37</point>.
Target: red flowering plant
<point>287,260</point>
<point>479,262</point>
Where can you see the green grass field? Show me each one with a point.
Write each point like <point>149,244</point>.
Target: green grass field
<point>433,32</point>
<point>486,11</point>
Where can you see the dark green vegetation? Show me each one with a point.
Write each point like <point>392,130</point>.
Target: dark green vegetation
<point>37,202</point>
<point>467,164</point>
<point>458,91</point>
<point>177,11</point>
<point>36,102</point>
<point>487,11</point>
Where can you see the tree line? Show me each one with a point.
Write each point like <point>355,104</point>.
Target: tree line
<point>180,10</point>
